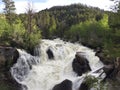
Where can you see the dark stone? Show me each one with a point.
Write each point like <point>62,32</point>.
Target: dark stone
<point>108,69</point>
<point>116,69</point>
<point>65,85</point>
<point>80,64</point>
<point>111,65</point>
<point>105,58</point>
<point>8,57</point>
<point>50,54</point>
<point>84,86</point>
<point>108,65</point>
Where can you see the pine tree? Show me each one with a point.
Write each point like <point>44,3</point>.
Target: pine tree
<point>9,10</point>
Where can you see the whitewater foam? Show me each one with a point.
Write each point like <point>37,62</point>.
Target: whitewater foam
<point>41,73</point>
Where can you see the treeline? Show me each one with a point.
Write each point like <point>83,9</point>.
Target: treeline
<point>54,22</point>
<point>90,26</point>
<point>15,33</point>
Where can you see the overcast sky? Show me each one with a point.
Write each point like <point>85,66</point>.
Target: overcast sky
<point>43,4</point>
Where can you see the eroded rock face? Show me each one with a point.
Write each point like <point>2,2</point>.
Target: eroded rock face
<point>80,64</point>
<point>8,57</point>
<point>106,59</point>
<point>65,85</point>
<point>111,65</point>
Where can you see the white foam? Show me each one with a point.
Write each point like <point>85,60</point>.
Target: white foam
<point>46,73</point>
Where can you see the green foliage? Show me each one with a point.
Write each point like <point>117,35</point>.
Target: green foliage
<point>56,21</point>
<point>91,26</point>
<point>18,31</point>
<point>112,45</point>
<point>95,83</point>
<point>53,26</point>
<point>30,40</point>
<point>5,30</point>
<point>104,22</point>
<point>114,20</point>
<point>91,81</point>
<point>93,33</point>
<point>10,33</point>
<point>17,36</point>
<point>14,32</point>
<point>43,21</point>
<point>3,24</point>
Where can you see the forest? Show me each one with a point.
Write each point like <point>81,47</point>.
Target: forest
<point>88,25</point>
<point>76,23</point>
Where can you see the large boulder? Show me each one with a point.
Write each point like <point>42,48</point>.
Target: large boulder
<point>65,85</point>
<point>80,64</point>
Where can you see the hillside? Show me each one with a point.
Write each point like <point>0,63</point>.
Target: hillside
<point>57,20</point>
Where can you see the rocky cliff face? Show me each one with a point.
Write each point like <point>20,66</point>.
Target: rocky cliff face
<point>111,66</point>
<point>8,56</point>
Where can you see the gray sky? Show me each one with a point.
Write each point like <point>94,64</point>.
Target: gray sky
<point>43,4</point>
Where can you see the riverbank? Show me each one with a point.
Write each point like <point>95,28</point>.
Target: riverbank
<point>8,56</point>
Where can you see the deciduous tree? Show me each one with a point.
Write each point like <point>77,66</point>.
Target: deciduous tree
<point>9,10</point>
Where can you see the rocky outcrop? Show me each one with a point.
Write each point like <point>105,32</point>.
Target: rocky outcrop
<point>116,70</point>
<point>65,85</point>
<point>80,64</point>
<point>8,57</point>
<point>50,54</point>
<point>111,65</point>
<point>105,58</point>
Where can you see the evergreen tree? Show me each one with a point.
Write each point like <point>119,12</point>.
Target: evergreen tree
<point>114,19</point>
<point>9,10</point>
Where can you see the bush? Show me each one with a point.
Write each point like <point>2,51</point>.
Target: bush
<point>30,40</point>
<point>95,83</point>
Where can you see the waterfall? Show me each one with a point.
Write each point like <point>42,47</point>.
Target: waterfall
<point>39,72</point>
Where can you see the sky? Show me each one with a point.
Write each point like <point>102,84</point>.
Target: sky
<point>38,5</point>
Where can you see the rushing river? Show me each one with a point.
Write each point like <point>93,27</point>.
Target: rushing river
<point>41,73</point>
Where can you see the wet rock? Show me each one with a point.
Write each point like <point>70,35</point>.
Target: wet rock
<point>50,54</point>
<point>80,64</point>
<point>65,85</point>
<point>8,57</point>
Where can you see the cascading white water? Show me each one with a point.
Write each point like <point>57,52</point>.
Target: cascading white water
<point>42,73</point>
